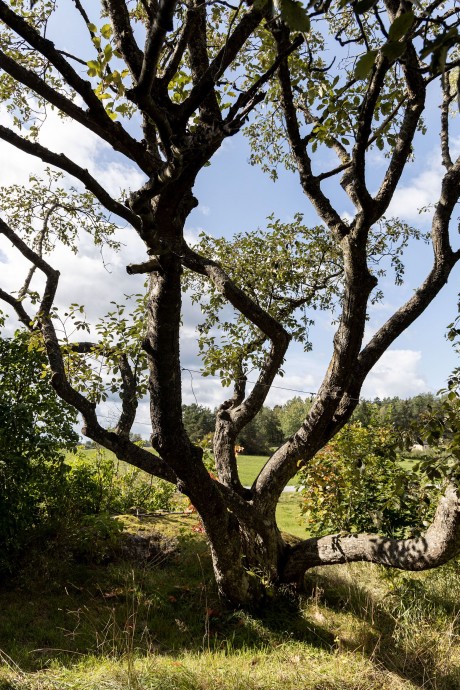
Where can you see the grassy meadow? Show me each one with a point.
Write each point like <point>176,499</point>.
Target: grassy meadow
<point>160,626</point>
<point>122,623</point>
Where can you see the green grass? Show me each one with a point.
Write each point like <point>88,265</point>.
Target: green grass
<point>288,515</point>
<point>120,626</point>
<point>249,466</point>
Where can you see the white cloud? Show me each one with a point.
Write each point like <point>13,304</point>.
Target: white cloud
<point>192,235</point>
<point>397,373</point>
<point>80,145</point>
<point>421,191</point>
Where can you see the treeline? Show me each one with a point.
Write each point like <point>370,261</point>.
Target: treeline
<point>274,425</point>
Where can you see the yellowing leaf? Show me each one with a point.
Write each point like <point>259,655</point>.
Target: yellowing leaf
<point>106,31</point>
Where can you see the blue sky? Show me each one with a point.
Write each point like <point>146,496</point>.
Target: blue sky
<point>233,196</point>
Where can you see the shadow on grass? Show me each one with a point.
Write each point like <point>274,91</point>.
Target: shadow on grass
<point>383,625</point>
<point>59,612</point>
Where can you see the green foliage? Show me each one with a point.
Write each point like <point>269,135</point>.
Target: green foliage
<point>356,484</point>
<point>59,212</point>
<point>91,539</point>
<point>41,496</point>
<point>262,433</point>
<point>99,483</point>
<point>198,421</point>
<point>35,430</point>
<point>407,417</point>
<point>291,415</point>
<point>304,277</point>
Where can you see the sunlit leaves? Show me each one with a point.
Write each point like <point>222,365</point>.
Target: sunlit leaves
<point>98,371</point>
<point>294,271</point>
<point>111,82</point>
<point>45,212</point>
<point>356,483</point>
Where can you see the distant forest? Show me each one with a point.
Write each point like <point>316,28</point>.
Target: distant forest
<point>272,426</point>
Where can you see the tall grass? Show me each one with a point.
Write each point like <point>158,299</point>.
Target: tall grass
<point>161,626</point>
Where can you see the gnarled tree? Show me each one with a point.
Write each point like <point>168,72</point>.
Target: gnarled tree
<point>191,74</point>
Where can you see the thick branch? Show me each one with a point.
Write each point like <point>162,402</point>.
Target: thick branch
<point>124,38</point>
<point>199,63</point>
<point>444,261</point>
<point>440,543</point>
<point>220,63</point>
<point>363,132</point>
<point>416,90</point>
<point>174,61</point>
<point>237,298</point>
<point>447,99</point>
<point>128,397</point>
<point>162,23</point>
<point>61,161</point>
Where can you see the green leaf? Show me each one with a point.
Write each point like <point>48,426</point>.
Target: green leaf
<point>401,26</point>
<point>364,6</point>
<point>106,30</point>
<point>393,50</point>
<point>365,64</point>
<point>294,15</point>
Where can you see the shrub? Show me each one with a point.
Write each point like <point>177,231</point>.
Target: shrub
<point>36,428</point>
<point>100,483</point>
<point>357,483</point>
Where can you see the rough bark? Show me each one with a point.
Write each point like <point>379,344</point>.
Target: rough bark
<point>436,546</point>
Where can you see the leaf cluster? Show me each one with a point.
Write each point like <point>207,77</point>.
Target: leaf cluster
<point>357,484</point>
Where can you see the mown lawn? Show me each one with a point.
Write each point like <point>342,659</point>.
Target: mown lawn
<point>288,511</point>
<point>249,466</point>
